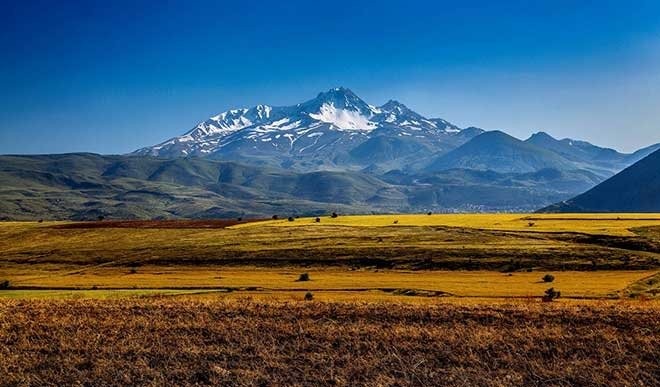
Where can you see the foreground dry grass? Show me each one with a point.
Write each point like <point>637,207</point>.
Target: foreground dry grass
<point>201,342</point>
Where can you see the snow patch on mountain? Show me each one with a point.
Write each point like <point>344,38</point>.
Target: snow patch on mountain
<point>342,118</point>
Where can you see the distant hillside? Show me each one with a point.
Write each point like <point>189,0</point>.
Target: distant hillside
<point>85,186</point>
<point>635,189</point>
<point>499,152</point>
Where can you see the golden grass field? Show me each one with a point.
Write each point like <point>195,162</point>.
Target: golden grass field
<point>396,300</point>
<point>573,284</point>
<point>373,256</point>
<point>607,224</point>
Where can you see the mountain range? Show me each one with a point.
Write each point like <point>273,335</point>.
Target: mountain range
<point>337,130</point>
<point>335,152</point>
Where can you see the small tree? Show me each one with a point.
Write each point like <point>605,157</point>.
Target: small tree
<point>334,215</point>
<point>548,278</point>
<point>303,277</point>
<point>551,294</point>
<point>291,219</point>
<point>101,218</point>
<point>309,296</point>
<point>239,219</point>
<point>429,213</point>
<point>317,220</point>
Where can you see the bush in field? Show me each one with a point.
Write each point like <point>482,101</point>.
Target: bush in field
<point>303,277</point>
<point>334,215</point>
<point>4,284</point>
<point>317,220</point>
<point>429,213</point>
<point>551,294</point>
<point>548,278</point>
<point>275,217</point>
<point>309,296</point>
<point>291,219</point>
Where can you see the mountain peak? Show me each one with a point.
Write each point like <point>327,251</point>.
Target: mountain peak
<point>541,136</point>
<point>394,105</point>
<point>340,98</point>
<point>337,92</point>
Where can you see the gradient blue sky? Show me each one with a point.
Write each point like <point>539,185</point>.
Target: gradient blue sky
<point>113,76</point>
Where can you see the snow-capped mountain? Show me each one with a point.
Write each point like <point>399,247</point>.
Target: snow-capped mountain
<point>317,134</point>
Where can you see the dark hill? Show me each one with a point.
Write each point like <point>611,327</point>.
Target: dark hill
<point>635,189</point>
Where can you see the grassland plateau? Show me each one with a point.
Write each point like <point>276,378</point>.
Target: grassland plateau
<point>347,300</point>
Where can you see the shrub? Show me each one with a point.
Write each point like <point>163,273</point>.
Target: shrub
<point>4,284</point>
<point>429,213</point>
<point>396,222</point>
<point>275,217</point>
<point>101,218</point>
<point>334,215</point>
<point>530,224</point>
<point>309,296</point>
<point>291,219</point>
<point>548,278</point>
<point>239,219</point>
<point>132,271</point>
<point>304,277</point>
<point>317,220</point>
<point>40,221</point>
<point>551,294</point>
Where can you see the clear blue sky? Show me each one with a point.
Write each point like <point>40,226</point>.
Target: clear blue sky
<point>113,76</point>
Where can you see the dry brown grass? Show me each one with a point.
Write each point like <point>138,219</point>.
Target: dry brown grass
<point>194,342</point>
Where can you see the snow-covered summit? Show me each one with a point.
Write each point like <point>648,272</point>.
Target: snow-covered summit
<point>334,118</point>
